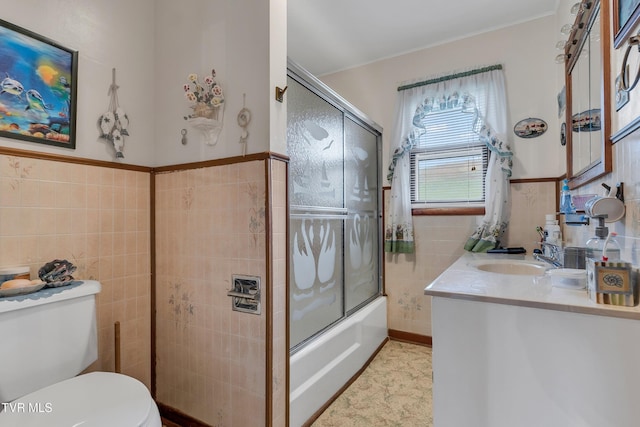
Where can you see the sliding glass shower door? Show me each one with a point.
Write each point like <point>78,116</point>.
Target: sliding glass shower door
<point>334,207</point>
<point>361,231</point>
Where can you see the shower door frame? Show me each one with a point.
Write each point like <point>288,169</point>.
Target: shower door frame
<point>349,112</point>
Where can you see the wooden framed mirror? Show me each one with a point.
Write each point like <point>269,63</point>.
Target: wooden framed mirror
<point>588,92</point>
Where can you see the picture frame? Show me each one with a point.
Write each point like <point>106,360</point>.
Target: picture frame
<point>38,92</point>
<point>625,17</point>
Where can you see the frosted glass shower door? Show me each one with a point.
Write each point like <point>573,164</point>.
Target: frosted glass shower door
<point>316,280</point>
<point>361,232</point>
<point>316,193</point>
<point>334,207</point>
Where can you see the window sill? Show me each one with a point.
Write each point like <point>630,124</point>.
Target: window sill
<point>447,211</point>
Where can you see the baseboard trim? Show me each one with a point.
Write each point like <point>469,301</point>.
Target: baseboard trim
<point>410,337</point>
<point>178,417</point>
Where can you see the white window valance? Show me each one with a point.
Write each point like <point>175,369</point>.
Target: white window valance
<point>480,92</point>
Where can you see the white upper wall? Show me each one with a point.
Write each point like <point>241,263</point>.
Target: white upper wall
<point>195,36</point>
<point>278,74</point>
<point>108,34</point>
<point>154,45</point>
<point>527,52</point>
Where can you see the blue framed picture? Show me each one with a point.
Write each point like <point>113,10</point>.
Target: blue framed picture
<point>38,88</point>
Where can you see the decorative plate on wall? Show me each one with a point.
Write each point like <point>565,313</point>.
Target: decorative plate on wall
<point>586,121</point>
<point>530,128</point>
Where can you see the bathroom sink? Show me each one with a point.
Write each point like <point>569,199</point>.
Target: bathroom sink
<point>507,266</point>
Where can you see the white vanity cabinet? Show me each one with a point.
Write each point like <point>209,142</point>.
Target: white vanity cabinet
<point>512,357</point>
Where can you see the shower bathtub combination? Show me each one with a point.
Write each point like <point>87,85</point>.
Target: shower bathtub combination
<point>319,370</point>
<point>337,314</point>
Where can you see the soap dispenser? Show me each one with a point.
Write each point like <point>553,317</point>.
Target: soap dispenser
<point>566,203</point>
<point>596,245</point>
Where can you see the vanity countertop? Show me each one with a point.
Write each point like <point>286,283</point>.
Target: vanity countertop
<point>463,281</point>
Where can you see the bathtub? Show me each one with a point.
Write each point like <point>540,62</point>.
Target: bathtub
<point>324,365</point>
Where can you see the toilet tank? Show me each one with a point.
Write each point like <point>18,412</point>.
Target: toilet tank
<point>47,337</point>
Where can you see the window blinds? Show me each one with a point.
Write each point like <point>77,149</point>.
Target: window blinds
<point>448,162</point>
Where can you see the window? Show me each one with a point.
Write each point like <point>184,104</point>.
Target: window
<point>439,162</point>
<point>448,161</point>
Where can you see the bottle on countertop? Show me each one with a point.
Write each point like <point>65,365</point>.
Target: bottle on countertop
<point>596,245</point>
<point>551,231</point>
<point>566,202</point>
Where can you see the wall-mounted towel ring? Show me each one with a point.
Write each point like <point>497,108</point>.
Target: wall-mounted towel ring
<point>624,78</point>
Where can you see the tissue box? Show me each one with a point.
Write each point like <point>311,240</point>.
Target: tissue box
<point>612,282</point>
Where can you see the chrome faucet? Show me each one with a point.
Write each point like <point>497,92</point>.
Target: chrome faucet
<point>554,256</point>
<point>549,260</point>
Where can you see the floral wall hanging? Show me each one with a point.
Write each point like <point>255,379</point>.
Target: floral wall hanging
<point>207,103</point>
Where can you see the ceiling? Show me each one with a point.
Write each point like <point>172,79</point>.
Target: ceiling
<point>326,36</point>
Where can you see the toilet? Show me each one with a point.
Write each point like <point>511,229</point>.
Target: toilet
<point>48,338</point>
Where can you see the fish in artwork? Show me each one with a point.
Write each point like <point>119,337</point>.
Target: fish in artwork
<point>38,127</point>
<point>11,86</point>
<point>65,83</point>
<point>36,102</point>
<point>66,87</point>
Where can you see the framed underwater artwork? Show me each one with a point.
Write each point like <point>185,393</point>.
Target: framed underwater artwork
<point>39,88</point>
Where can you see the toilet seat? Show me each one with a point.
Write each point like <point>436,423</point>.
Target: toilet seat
<point>97,399</point>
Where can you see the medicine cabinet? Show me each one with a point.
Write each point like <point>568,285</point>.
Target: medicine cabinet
<point>587,79</point>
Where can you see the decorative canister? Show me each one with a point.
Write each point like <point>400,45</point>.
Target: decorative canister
<point>612,282</point>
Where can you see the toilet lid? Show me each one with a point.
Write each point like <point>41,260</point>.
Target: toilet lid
<point>97,399</point>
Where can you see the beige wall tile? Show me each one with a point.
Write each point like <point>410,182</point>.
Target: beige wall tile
<point>52,210</point>
<point>210,225</point>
